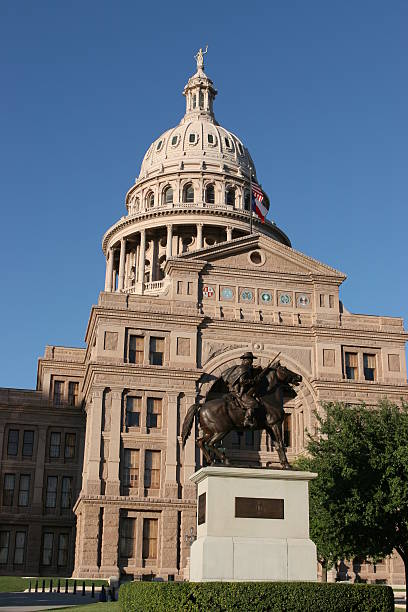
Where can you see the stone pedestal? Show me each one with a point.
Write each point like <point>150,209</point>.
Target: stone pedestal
<point>253,524</point>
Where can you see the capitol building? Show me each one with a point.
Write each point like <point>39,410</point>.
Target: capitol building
<point>94,480</point>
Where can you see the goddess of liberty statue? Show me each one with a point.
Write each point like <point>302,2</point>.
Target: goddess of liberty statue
<point>199,57</point>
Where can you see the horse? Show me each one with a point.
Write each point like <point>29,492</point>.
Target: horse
<point>219,416</point>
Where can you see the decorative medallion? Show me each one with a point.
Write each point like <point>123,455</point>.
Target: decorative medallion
<point>266,297</point>
<point>303,300</point>
<point>208,291</point>
<point>247,295</point>
<point>285,299</point>
<point>227,293</point>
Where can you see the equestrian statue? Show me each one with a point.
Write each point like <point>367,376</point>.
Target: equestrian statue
<point>243,398</point>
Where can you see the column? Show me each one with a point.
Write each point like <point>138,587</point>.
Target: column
<point>200,235</point>
<point>121,282</point>
<point>229,233</point>
<point>112,481</point>
<point>189,463</point>
<point>171,487</point>
<point>109,270</point>
<point>93,431</point>
<point>169,241</point>
<point>142,257</point>
<point>110,541</point>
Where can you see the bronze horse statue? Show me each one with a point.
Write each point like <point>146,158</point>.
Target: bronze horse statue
<point>219,416</point>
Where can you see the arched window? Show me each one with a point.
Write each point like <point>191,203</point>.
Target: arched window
<point>194,101</point>
<point>230,196</point>
<point>201,99</point>
<point>137,204</point>
<point>246,200</point>
<point>188,193</point>
<point>168,195</point>
<point>150,199</point>
<point>210,194</point>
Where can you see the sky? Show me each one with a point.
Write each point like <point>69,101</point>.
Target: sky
<point>316,89</point>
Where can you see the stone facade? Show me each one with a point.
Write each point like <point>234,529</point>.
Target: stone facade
<point>188,288</point>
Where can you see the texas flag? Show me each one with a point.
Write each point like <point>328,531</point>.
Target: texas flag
<point>257,202</point>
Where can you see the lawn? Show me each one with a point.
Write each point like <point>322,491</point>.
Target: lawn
<point>14,584</point>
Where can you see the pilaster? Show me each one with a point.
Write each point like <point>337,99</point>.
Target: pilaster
<point>113,481</point>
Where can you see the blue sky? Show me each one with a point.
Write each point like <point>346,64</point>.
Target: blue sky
<point>317,90</point>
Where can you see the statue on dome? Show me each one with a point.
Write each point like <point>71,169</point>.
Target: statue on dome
<point>199,57</point>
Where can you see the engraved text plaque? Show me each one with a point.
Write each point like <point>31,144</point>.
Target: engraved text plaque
<point>201,508</point>
<point>259,507</point>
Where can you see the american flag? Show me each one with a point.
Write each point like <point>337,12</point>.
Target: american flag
<point>257,191</point>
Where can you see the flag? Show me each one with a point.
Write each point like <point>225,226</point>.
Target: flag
<point>257,202</point>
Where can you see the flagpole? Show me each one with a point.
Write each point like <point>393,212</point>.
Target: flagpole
<point>250,200</point>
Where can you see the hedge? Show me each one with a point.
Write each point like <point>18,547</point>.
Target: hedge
<point>254,597</point>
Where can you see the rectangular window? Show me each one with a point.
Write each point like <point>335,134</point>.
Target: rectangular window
<point>127,537</point>
<point>12,446</point>
<point>51,495</point>
<point>66,492</point>
<point>236,439</point>
<point>55,444</point>
<point>189,288</point>
<point>369,366</point>
<point>152,470</point>
<point>4,546</point>
<point>331,301</point>
<point>70,443</point>
<point>154,412</point>
<point>63,549</point>
<point>351,365</point>
<point>131,468</point>
<point>249,438</point>
<point>322,300</point>
<point>150,529</point>
<point>73,390</point>
<point>19,548</point>
<point>28,443</point>
<point>8,489</point>
<point>47,545</point>
<point>136,349</point>
<point>156,351</point>
<point>58,392</point>
<point>24,490</point>
<point>133,409</point>
<point>287,430</point>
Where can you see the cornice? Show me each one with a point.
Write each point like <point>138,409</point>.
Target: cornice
<point>359,386</point>
<point>136,503</point>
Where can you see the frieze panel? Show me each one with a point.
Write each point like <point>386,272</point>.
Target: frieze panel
<point>212,348</point>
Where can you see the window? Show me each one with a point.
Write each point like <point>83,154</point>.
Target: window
<point>240,149</point>
<point>159,145</point>
<point>322,300</point>
<point>211,139</point>
<point>28,443</point>
<point>133,409</point>
<point>136,349</point>
<point>230,196</point>
<point>149,550</point>
<point>70,443</point>
<point>156,351</point>
<point>194,101</point>
<point>210,194</point>
<point>24,490</point>
<point>331,301</point>
<point>188,193</point>
<point>150,199</point>
<point>152,470</point>
<point>51,495</point>
<point>249,438</point>
<point>201,99</point>
<point>63,549</point>
<point>131,468</point>
<point>127,537</point>
<point>8,489</point>
<point>58,392</point>
<point>19,549</point>
<point>351,365</point>
<point>154,412</point>
<point>55,444</point>
<point>4,546</point>
<point>12,446</point>
<point>246,200</point>
<point>369,366</point>
<point>227,143</point>
<point>73,388</point>
<point>236,439</point>
<point>47,545</point>
<point>168,195</point>
<point>66,492</point>
<point>174,140</point>
<point>287,430</point>
<point>192,138</point>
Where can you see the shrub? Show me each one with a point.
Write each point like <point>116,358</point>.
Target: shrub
<point>254,597</point>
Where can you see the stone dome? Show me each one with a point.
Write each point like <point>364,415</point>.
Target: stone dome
<point>198,140</point>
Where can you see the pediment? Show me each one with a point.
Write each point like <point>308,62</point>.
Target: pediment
<point>275,257</point>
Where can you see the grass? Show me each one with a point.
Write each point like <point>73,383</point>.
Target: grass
<point>94,607</point>
<point>15,584</point>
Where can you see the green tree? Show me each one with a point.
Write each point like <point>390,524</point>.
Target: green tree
<point>359,500</point>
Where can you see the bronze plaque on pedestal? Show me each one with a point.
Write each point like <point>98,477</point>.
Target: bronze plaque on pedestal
<point>259,507</point>
<point>201,508</point>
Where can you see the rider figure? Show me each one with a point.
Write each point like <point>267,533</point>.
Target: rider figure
<point>241,382</point>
